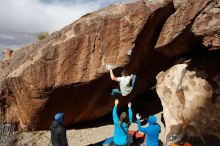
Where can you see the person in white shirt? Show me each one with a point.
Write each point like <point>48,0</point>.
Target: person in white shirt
<point>126,83</point>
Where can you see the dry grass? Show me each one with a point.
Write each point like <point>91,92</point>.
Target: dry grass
<point>7,132</point>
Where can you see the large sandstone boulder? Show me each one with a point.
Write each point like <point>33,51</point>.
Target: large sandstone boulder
<point>189,93</point>
<point>190,96</point>
<point>66,71</point>
<point>194,21</point>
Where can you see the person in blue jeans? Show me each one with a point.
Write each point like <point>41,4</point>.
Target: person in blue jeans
<point>126,83</point>
<point>152,130</point>
<point>121,125</point>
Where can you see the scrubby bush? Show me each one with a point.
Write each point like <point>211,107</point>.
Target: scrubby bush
<point>42,35</point>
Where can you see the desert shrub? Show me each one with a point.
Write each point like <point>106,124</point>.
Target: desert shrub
<point>42,35</point>
<point>7,132</point>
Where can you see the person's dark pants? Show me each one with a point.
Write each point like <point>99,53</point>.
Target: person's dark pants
<point>117,91</point>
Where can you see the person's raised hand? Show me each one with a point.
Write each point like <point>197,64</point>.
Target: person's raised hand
<point>129,105</point>
<point>138,116</point>
<point>116,102</point>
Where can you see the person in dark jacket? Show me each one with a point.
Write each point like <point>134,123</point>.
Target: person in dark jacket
<point>58,132</point>
<point>152,130</point>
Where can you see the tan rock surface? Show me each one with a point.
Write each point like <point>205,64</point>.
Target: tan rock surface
<point>177,3</point>
<point>190,98</point>
<point>177,36</point>
<point>7,54</point>
<point>207,25</point>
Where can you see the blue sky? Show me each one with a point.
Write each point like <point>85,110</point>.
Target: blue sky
<point>21,20</point>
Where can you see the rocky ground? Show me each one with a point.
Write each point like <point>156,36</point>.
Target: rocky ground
<point>76,137</point>
<point>79,137</point>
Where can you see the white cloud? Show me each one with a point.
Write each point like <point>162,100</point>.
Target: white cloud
<point>34,16</point>
<point>7,37</point>
<point>20,20</point>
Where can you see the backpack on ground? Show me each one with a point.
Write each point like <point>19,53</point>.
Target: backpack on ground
<point>138,138</point>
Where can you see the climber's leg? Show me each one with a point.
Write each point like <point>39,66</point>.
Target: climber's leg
<point>115,91</point>
<point>133,80</point>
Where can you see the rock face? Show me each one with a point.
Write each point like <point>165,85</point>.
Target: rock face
<point>6,54</point>
<point>66,72</point>
<point>190,97</point>
<point>193,21</point>
<point>178,3</point>
<point>207,25</point>
<point>189,92</point>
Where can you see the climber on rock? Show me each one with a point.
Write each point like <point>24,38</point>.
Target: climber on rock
<point>126,83</point>
<point>121,124</point>
<point>152,130</point>
<point>58,132</point>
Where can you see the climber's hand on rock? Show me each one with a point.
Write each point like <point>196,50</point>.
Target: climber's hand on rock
<point>116,102</point>
<point>109,67</point>
<point>138,116</point>
<point>129,105</point>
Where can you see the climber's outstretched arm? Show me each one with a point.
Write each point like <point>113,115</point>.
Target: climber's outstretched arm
<point>114,112</point>
<point>112,75</point>
<point>140,128</point>
<point>130,114</point>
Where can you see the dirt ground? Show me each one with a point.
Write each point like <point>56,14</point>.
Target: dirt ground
<point>76,137</point>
